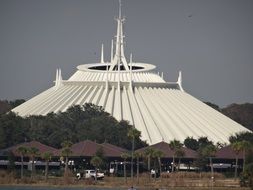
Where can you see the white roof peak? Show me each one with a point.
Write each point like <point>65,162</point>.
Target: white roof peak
<point>102,54</point>
<point>58,79</point>
<point>119,56</point>
<point>179,80</point>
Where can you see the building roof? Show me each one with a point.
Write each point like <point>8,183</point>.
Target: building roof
<point>167,152</point>
<point>227,153</point>
<point>89,148</point>
<point>41,147</point>
<point>132,91</point>
<point>114,147</point>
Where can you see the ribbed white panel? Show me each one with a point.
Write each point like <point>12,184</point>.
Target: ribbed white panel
<point>159,111</point>
<point>113,76</point>
<point>26,108</point>
<point>149,121</point>
<point>138,119</point>
<point>110,101</point>
<point>117,105</point>
<point>127,111</point>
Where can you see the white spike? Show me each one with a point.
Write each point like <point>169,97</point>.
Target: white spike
<point>131,58</point>
<point>106,83</point>
<point>102,54</point>
<point>112,51</point>
<point>131,72</point>
<point>59,82</point>
<point>179,81</point>
<point>56,78</point>
<point>162,75</point>
<point>60,77</point>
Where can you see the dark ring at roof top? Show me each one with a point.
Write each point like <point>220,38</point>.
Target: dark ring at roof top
<point>122,68</point>
<point>102,67</point>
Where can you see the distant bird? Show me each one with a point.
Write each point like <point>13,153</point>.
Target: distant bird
<point>189,16</point>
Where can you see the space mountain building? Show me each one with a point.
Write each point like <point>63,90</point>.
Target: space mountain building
<point>131,91</point>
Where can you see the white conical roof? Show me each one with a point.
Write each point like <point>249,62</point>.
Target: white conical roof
<point>161,110</point>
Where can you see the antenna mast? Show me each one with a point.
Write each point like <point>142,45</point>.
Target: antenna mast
<point>119,56</point>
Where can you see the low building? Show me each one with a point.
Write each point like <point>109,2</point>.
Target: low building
<point>13,152</point>
<point>186,159</point>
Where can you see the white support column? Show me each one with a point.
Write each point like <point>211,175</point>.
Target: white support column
<point>131,72</point>
<point>56,78</point>
<point>179,81</point>
<point>112,51</point>
<point>106,82</point>
<point>102,54</point>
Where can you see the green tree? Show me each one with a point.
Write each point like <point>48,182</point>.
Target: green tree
<point>96,162</point>
<point>237,148</point>
<point>158,155</point>
<point>16,102</point>
<point>13,130</point>
<point>47,156</point>
<point>245,145</point>
<point>175,145</point>
<point>137,155</point>
<point>203,142</point>
<point>78,123</point>
<point>148,153</point>
<point>248,173</point>
<point>100,154</point>
<point>214,106</point>
<point>191,143</point>
<point>66,152</point>
<point>125,156</point>
<point>209,152</point>
<point>22,151</point>
<point>242,136</point>
<point>11,160</point>
<point>179,154</point>
<point>133,133</point>
<point>33,153</point>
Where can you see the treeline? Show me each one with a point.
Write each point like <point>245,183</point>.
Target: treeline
<point>6,105</point>
<point>86,122</point>
<point>76,124</point>
<point>241,113</point>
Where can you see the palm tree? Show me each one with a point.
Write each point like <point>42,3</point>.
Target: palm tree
<point>237,148</point>
<point>33,152</point>
<point>174,145</point>
<point>22,151</point>
<point>66,151</point>
<point>125,156</point>
<point>209,152</point>
<point>244,147</point>
<point>148,153</point>
<point>47,157</point>
<point>137,155</point>
<point>96,162</point>
<point>179,154</point>
<point>158,154</point>
<point>133,133</point>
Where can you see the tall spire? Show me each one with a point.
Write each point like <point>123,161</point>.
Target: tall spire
<point>112,51</point>
<point>119,57</point>
<point>102,54</point>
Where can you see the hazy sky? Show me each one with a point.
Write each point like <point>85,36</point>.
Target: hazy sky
<point>211,41</point>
